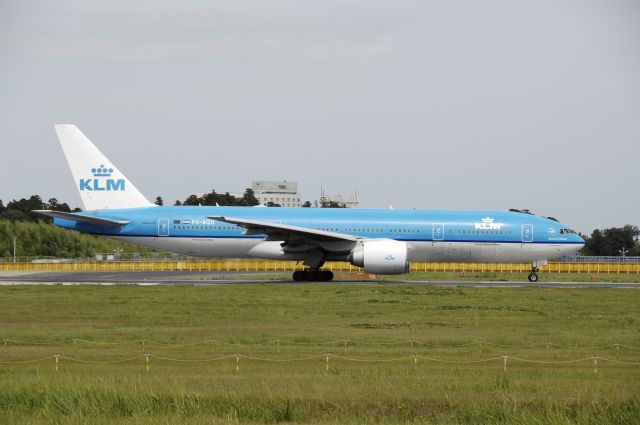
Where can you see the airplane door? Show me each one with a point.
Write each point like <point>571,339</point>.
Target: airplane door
<point>163,227</point>
<point>438,231</point>
<point>527,233</point>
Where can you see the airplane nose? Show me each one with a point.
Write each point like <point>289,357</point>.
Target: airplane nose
<point>579,240</point>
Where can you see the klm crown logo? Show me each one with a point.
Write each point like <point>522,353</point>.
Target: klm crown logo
<point>487,224</point>
<point>102,171</point>
<point>101,180</point>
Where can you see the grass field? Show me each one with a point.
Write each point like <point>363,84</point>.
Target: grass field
<point>103,323</point>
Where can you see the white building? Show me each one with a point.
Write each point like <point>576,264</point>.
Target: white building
<point>283,193</point>
<point>346,200</point>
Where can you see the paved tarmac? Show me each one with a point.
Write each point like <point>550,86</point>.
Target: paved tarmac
<point>217,278</point>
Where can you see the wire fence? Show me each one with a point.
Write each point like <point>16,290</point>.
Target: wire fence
<point>328,358</point>
<point>504,359</point>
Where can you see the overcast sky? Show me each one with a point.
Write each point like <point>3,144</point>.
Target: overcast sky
<point>418,104</point>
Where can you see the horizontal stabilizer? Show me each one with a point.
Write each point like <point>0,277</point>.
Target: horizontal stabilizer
<point>82,218</point>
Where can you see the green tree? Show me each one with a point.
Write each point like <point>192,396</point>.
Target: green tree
<point>306,204</point>
<point>27,205</point>
<point>210,198</point>
<point>609,242</point>
<point>192,200</point>
<point>331,204</point>
<point>249,198</point>
<point>159,201</point>
<point>272,204</point>
<point>177,203</point>
<point>53,204</point>
<point>14,215</point>
<point>228,199</point>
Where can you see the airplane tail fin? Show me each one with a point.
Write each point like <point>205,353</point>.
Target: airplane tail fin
<point>100,184</point>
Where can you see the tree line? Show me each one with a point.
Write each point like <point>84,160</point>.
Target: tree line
<point>248,199</point>
<point>613,241</point>
<point>21,210</point>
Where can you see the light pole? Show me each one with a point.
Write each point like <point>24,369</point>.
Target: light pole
<point>623,251</point>
<point>15,238</point>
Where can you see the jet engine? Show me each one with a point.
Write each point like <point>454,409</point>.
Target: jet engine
<point>381,256</point>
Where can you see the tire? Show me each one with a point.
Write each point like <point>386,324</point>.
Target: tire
<point>312,276</point>
<point>325,276</point>
<point>298,276</point>
<point>533,277</point>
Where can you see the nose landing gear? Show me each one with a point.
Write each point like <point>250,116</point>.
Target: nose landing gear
<point>311,275</point>
<point>535,268</point>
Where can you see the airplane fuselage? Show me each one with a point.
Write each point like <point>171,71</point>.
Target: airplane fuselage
<point>461,236</point>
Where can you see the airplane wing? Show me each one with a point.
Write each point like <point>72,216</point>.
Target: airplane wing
<point>294,238</point>
<point>82,218</point>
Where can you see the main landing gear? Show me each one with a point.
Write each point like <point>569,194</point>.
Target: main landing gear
<point>313,275</point>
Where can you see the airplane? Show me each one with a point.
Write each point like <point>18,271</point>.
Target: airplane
<point>381,241</point>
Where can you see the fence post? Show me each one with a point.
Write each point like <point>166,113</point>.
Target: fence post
<point>327,362</point>
<point>146,359</point>
<point>237,362</point>
<point>504,366</point>
<point>595,365</point>
<point>57,357</point>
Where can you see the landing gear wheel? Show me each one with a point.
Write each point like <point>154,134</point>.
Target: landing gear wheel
<point>325,275</point>
<point>533,277</point>
<point>313,275</point>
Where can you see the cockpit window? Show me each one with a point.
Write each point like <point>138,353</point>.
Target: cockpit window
<point>567,232</point>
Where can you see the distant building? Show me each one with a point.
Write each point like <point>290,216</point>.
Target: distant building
<point>346,200</point>
<point>283,193</point>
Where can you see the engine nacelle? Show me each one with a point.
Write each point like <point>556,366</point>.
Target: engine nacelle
<point>381,256</point>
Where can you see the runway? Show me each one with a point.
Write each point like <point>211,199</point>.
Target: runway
<point>235,278</point>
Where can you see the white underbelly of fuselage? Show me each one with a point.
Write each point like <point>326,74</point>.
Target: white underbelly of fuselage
<point>418,251</point>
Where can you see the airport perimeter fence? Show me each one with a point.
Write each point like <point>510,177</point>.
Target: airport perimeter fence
<point>330,358</point>
<point>247,265</point>
<point>144,343</point>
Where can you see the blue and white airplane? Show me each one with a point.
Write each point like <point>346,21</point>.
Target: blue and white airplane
<point>379,241</point>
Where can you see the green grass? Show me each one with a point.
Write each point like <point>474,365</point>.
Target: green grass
<point>41,321</point>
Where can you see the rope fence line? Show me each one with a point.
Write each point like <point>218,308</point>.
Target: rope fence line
<point>264,359</point>
<point>72,359</point>
<point>550,361</point>
<point>316,356</point>
<point>190,360</point>
<point>279,342</point>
